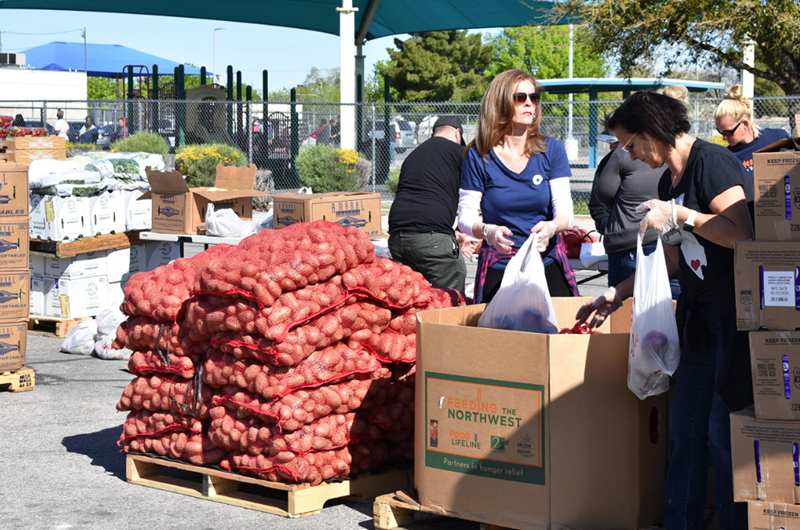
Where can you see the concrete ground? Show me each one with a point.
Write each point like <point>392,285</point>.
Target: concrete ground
<point>60,467</point>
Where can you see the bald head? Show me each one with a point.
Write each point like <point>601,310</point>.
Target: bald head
<point>446,131</point>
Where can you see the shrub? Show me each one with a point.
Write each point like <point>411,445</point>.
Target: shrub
<point>199,162</point>
<point>76,147</point>
<point>392,180</point>
<point>326,169</point>
<point>142,142</point>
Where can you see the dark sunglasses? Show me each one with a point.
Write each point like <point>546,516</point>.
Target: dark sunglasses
<point>729,133</point>
<point>521,97</point>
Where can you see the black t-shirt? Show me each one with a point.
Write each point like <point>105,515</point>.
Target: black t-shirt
<point>427,192</point>
<point>705,267</point>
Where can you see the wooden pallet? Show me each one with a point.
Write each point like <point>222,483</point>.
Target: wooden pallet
<point>286,500</point>
<point>395,511</point>
<point>19,381</point>
<point>69,249</point>
<point>59,326</point>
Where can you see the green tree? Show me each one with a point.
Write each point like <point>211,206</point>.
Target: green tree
<point>439,66</point>
<point>696,32</point>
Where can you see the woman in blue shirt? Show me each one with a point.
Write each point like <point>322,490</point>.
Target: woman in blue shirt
<point>515,182</point>
<point>734,117</point>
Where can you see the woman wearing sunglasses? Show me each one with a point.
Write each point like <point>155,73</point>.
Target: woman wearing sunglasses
<point>518,180</point>
<point>701,211</point>
<point>734,117</point>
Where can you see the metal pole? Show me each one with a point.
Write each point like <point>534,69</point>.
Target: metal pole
<point>569,123</point>
<point>294,140</point>
<point>156,117</point>
<point>85,55</point>
<point>374,158</point>
<point>202,75</point>
<point>214,62</point>
<point>249,120</point>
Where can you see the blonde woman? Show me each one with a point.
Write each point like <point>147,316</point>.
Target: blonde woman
<point>734,117</point>
<point>679,92</point>
<point>518,180</point>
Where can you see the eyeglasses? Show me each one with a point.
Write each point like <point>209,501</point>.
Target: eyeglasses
<point>521,97</point>
<point>729,133</point>
<point>625,147</point>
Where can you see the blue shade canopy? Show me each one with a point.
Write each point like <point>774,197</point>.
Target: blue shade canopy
<point>374,18</point>
<point>580,85</point>
<point>103,60</point>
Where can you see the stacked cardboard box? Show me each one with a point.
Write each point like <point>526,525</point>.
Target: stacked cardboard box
<point>55,218</point>
<point>85,285</point>
<point>14,273</point>
<point>765,438</point>
<point>25,149</point>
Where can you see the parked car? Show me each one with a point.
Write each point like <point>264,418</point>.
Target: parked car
<point>106,135</point>
<point>36,124</point>
<point>404,137</point>
<point>74,130</point>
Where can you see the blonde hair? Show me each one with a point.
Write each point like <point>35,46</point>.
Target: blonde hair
<point>497,110</point>
<point>679,92</point>
<point>737,106</point>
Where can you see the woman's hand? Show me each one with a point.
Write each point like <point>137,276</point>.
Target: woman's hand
<point>544,231</point>
<point>662,216</point>
<point>601,306</point>
<point>494,236</point>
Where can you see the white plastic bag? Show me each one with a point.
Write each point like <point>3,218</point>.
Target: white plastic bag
<point>225,223</point>
<point>654,346</point>
<point>522,302</point>
<point>104,349</point>
<point>81,339</point>
<point>108,321</point>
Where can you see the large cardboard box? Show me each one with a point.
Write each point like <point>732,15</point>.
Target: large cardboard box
<point>26,156</point>
<point>83,265</point>
<point>13,191</point>
<point>36,142</point>
<point>776,172</point>
<point>775,362</point>
<point>362,210</point>
<point>178,209</point>
<point>83,297</point>
<point>764,455</point>
<point>773,516</point>
<point>66,218</point>
<point>138,213</point>
<point>161,253</point>
<point>14,243</point>
<point>41,290</point>
<point>13,344</point>
<point>37,218</point>
<point>532,431</point>
<point>106,213</point>
<point>767,279</point>
<point>125,262</point>
<point>14,294</point>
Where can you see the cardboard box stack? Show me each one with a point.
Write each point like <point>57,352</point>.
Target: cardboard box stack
<point>765,438</point>
<point>85,285</point>
<point>23,150</point>
<point>14,273</point>
<point>546,423</point>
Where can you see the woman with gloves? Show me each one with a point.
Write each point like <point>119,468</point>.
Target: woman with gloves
<point>701,211</point>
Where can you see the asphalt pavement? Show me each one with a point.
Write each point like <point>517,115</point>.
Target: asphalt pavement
<point>60,467</point>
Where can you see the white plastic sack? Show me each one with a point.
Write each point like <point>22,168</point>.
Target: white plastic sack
<point>108,321</point>
<point>266,222</point>
<point>104,350</point>
<point>654,346</point>
<point>522,302</point>
<point>225,223</point>
<point>81,339</point>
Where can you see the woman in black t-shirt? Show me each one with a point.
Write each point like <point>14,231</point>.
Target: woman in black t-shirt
<point>702,210</point>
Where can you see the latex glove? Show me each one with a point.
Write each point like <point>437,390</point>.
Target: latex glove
<point>467,244</point>
<point>601,306</point>
<point>494,236</point>
<point>544,231</point>
<point>661,216</point>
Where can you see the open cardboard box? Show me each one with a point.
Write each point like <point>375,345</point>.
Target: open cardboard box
<point>178,209</point>
<point>531,431</point>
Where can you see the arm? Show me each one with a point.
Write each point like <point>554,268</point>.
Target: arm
<point>607,184</point>
<point>471,223</point>
<point>562,213</point>
<point>729,222</point>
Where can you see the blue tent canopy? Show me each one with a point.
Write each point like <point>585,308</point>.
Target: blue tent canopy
<point>102,60</point>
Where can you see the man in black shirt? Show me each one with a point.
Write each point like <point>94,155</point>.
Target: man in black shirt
<point>423,213</point>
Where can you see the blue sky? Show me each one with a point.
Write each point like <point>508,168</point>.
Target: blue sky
<point>288,54</point>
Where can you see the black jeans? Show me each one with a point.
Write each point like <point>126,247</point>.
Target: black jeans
<point>436,256</point>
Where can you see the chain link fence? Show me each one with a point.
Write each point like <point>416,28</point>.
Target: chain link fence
<point>272,135</point>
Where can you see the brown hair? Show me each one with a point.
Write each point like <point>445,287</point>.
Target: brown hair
<point>497,111</point>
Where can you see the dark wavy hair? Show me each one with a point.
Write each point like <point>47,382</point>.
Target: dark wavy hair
<point>660,117</point>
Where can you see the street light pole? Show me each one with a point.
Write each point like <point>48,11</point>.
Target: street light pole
<point>214,64</point>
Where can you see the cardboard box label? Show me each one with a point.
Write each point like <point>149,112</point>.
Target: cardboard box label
<point>767,280</point>
<point>779,288</point>
<point>512,451</point>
